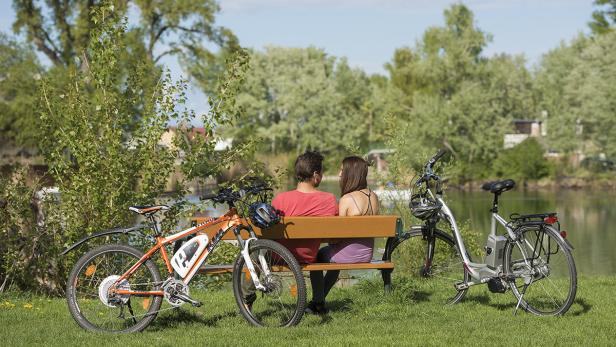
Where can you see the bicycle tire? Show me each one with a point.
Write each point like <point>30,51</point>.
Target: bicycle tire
<point>258,311</point>
<point>409,256</point>
<point>79,301</point>
<point>557,271</point>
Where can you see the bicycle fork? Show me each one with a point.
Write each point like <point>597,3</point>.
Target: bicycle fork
<point>245,247</point>
<point>251,268</point>
<point>428,235</point>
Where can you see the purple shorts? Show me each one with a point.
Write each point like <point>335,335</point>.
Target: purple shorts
<point>350,251</point>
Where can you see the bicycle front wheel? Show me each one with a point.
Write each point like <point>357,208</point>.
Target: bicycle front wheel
<point>433,262</point>
<point>283,300</point>
<point>544,278</point>
<point>88,290</point>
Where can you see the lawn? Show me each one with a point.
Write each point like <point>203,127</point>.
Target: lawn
<point>360,315</point>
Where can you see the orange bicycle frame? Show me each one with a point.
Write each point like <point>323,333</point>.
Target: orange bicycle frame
<point>232,220</point>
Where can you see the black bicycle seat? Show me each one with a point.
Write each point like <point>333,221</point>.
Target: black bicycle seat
<point>498,187</point>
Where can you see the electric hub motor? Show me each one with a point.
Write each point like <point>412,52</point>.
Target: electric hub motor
<point>114,299</point>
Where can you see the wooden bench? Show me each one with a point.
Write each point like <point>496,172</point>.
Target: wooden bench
<point>324,228</point>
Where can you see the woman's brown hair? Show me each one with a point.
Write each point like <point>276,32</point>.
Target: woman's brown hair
<point>354,173</point>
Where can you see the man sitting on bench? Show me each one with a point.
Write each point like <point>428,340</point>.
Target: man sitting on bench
<point>307,200</point>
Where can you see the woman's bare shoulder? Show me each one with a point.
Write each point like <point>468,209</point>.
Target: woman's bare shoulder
<point>346,197</point>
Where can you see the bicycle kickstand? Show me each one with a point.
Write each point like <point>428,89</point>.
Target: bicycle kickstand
<point>521,297</point>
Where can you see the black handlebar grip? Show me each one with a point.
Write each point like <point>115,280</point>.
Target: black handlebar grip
<point>436,157</point>
<point>440,154</point>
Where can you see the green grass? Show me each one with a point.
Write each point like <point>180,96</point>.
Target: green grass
<point>362,315</point>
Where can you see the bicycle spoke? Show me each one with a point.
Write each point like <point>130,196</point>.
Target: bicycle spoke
<point>548,265</point>
<point>116,312</point>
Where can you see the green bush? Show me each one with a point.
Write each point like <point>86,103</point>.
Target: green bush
<point>101,141</point>
<point>522,162</point>
<point>28,251</point>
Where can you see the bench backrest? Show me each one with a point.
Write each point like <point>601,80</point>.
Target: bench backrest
<point>323,227</point>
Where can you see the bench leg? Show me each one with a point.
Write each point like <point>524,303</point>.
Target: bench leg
<point>386,274</point>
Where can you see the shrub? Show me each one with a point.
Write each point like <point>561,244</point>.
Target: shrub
<point>101,141</point>
<point>522,162</point>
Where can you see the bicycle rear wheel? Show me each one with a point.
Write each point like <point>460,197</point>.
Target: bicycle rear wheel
<point>283,301</point>
<point>87,291</point>
<point>433,262</point>
<point>541,263</point>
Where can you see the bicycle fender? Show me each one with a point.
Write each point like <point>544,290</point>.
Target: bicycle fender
<point>104,233</point>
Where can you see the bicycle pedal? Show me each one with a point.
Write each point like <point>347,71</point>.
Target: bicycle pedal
<point>188,299</point>
<point>461,286</point>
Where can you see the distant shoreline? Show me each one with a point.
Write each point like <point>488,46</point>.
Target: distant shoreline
<point>570,183</point>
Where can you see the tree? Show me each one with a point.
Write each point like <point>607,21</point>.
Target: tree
<point>301,98</point>
<point>552,94</point>
<point>61,29</point>
<point>103,158</point>
<point>458,98</point>
<point>604,18</point>
<point>19,75</point>
<point>591,95</point>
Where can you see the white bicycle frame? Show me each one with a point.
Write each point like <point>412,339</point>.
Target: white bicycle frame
<point>478,271</point>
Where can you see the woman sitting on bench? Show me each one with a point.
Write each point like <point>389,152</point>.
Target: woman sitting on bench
<point>356,200</point>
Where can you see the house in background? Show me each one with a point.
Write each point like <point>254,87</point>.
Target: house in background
<point>524,129</point>
<point>166,139</point>
<point>378,157</point>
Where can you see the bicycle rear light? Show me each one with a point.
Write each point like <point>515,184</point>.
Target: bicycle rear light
<point>550,219</point>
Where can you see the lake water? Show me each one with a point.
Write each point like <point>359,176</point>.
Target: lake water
<point>589,217</point>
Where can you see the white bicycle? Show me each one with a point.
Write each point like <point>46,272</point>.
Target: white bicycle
<point>532,257</point>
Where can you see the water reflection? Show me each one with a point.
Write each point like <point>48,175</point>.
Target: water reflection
<point>587,216</point>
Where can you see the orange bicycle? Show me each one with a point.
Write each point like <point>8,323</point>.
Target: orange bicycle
<point>118,288</point>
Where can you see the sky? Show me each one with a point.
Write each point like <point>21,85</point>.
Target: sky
<point>367,32</point>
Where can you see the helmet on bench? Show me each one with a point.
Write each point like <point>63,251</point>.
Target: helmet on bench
<point>263,215</point>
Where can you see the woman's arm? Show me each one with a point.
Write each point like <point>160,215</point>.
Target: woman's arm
<point>375,203</point>
<point>343,206</point>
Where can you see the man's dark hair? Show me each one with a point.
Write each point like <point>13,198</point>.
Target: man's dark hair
<point>307,164</point>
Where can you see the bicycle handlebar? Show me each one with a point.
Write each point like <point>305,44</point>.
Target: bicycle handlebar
<point>230,196</point>
<point>428,173</point>
<point>436,157</point>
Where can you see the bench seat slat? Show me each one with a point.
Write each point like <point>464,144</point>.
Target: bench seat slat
<point>220,269</point>
<point>356,266</point>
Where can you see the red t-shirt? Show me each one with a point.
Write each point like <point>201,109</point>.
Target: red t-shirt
<point>296,203</point>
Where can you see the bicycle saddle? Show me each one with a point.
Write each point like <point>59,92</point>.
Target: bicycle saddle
<point>148,208</point>
<point>498,187</point>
